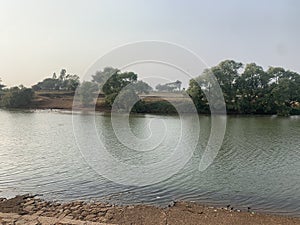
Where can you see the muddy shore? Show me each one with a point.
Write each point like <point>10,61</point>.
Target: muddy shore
<point>32,210</point>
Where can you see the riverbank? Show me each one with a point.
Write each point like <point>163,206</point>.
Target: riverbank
<point>28,209</point>
<point>153,103</point>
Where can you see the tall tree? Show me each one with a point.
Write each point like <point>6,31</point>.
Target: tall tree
<point>251,87</point>
<point>101,76</point>
<point>142,87</point>
<point>17,97</point>
<point>87,92</point>
<point>199,99</point>
<point>118,81</point>
<point>253,90</point>
<point>227,72</point>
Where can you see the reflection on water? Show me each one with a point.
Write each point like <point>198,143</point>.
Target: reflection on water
<point>258,164</point>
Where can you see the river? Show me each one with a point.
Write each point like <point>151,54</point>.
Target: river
<point>258,165</point>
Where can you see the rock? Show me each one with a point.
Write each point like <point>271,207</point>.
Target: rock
<point>90,217</point>
<point>103,219</point>
<point>29,202</point>
<point>94,211</point>
<point>59,210</point>
<point>86,207</point>
<point>67,211</point>
<point>81,217</point>
<point>34,222</point>
<point>23,213</point>
<point>103,209</point>
<point>70,217</point>
<point>109,215</point>
<point>61,215</point>
<point>29,208</point>
<point>2,199</point>
<point>84,213</point>
<point>101,214</point>
<point>20,222</point>
<point>75,207</point>
<point>38,213</point>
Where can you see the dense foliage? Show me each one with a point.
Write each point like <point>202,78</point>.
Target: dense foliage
<point>113,82</point>
<point>142,87</point>
<point>64,81</point>
<point>246,89</point>
<point>169,87</point>
<point>251,90</point>
<point>17,97</point>
<point>87,92</point>
<point>157,107</point>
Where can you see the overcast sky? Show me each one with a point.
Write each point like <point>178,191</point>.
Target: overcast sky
<point>38,37</point>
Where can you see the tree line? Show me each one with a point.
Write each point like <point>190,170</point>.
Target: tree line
<point>246,89</point>
<point>15,97</point>
<point>63,82</point>
<point>112,83</point>
<point>21,97</point>
<point>249,89</point>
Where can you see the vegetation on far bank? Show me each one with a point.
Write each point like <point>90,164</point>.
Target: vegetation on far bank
<point>247,89</point>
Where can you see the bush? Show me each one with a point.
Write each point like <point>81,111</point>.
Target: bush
<point>87,93</point>
<point>295,111</point>
<point>161,107</point>
<point>17,97</point>
<point>124,101</point>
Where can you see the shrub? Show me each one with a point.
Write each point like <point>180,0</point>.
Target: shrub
<point>17,97</point>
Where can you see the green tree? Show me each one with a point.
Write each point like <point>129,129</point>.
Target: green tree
<point>282,97</point>
<point>169,87</point>
<point>197,95</point>
<point>48,84</point>
<point>17,97</point>
<point>125,100</point>
<point>276,73</point>
<point>227,73</point>
<point>116,83</point>
<point>163,87</point>
<point>142,87</point>
<point>100,77</point>
<point>87,92</point>
<point>67,82</point>
<point>252,87</point>
<point>62,75</point>
<point>71,82</point>
<point>253,90</point>
<point>294,85</point>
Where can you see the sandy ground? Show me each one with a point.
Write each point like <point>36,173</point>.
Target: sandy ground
<point>30,210</point>
<point>64,100</point>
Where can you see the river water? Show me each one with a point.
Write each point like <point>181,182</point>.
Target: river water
<point>258,165</point>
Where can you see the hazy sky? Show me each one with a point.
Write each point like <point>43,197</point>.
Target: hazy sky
<point>38,37</point>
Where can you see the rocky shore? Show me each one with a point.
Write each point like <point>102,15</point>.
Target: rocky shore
<point>31,210</point>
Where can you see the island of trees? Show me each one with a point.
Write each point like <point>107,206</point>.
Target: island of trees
<point>247,89</point>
